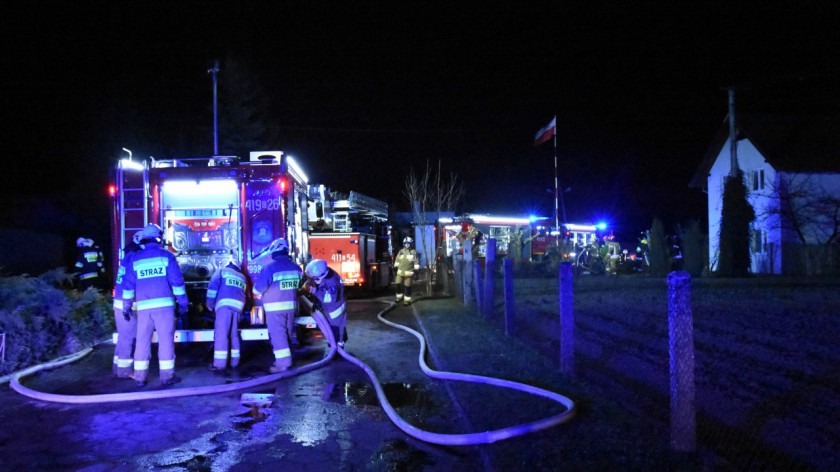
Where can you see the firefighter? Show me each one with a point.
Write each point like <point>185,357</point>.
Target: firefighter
<point>406,263</point>
<point>89,261</point>
<point>226,296</point>
<point>153,287</point>
<point>327,287</point>
<point>276,288</point>
<point>126,323</point>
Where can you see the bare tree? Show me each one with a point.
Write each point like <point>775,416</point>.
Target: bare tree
<point>806,209</point>
<point>803,206</point>
<point>430,195</point>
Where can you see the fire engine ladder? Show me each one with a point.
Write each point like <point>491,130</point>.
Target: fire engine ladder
<point>341,221</point>
<point>133,211</point>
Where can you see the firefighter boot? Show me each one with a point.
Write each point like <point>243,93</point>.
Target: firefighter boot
<point>276,369</point>
<point>407,298</point>
<point>171,380</point>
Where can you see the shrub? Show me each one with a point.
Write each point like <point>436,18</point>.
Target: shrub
<point>43,319</point>
<point>695,248</point>
<point>660,259</point>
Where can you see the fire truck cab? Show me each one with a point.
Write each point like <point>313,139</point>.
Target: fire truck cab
<point>212,210</point>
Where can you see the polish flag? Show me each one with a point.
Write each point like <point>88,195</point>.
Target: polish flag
<point>546,132</point>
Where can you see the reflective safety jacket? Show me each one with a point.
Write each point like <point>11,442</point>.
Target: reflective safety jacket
<point>153,280</point>
<point>89,262</point>
<point>226,289</point>
<point>330,293</point>
<point>406,262</point>
<point>277,285</point>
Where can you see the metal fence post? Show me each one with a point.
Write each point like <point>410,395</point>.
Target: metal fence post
<point>2,347</point>
<point>477,286</point>
<point>510,306</point>
<point>566,303</point>
<point>681,350</point>
<point>489,278</point>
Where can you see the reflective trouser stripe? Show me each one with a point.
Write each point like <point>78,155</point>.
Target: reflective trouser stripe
<point>220,355</point>
<point>282,353</point>
<point>167,365</point>
<point>234,353</point>
<point>337,312</point>
<point>125,363</point>
<point>89,275</point>
<point>141,365</point>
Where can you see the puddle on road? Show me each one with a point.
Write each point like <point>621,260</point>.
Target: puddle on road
<point>247,420</point>
<point>399,394</point>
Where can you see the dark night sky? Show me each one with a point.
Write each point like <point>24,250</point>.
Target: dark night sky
<point>361,94</point>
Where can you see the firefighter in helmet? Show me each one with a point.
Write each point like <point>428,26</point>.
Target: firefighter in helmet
<point>126,323</point>
<point>276,288</point>
<point>406,263</point>
<point>226,296</point>
<point>89,261</point>
<point>153,287</point>
<point>327,287</point>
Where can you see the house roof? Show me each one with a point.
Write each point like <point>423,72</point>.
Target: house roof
<point>788,143</point>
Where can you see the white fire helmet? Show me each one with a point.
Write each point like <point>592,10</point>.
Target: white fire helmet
<point>407,240</point>
<point>235,264</point>
<point>84,242</point>
<point>151,231</point>
<point>317,269</point>
<point>278,245</point>
<point>138,236</point>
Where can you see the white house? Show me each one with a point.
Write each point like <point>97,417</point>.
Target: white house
<point>791,168</point>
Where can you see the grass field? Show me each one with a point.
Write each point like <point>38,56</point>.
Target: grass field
<point>767,358</point>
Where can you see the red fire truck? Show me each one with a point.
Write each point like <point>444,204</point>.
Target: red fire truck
<point>352,234</point>
<point>212,210</point>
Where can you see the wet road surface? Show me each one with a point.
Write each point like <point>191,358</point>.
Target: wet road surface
<point>327,419</point>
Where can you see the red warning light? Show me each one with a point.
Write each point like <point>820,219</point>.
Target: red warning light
<point>112,190</point>
<point>282,185</point>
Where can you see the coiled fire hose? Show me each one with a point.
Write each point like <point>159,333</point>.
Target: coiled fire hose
<point>484,437</point>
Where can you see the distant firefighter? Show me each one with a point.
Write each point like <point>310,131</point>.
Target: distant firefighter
<point>406,263</point>
<point>89,261</point>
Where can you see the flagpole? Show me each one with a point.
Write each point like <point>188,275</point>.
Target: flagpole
<point>557,190</point>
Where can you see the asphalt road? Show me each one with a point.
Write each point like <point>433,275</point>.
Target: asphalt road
<point>330,418</point>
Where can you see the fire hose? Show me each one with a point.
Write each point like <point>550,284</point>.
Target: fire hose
<point>484,437</point>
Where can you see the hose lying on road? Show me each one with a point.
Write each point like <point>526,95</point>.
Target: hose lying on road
<point>484,437</point>
<point>168,393</point>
